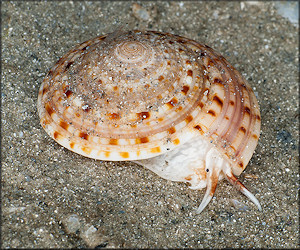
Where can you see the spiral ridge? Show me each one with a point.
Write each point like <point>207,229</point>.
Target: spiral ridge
<point>138,94</point>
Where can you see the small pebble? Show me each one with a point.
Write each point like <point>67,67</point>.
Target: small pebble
<point>140,13</point>
<point>73,224</point>
<point>15,209</point>
<point>239,205</point>
<point>92,236</point>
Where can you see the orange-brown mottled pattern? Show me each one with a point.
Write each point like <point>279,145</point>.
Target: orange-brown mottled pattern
<point>133,95</point>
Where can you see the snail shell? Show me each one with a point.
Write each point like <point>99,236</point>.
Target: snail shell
<point>169,103</point>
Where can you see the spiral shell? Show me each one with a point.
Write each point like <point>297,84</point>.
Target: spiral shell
<point>145,94</point>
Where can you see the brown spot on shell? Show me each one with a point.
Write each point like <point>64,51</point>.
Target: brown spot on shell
<point>114,116</point>
<point>124,154</point>
<point>142,140</point>
<point>172,103</point>
<point>188,178</point>
<point>49,109</point>
<point>189,118</point>
<point>209,63</point>
<point>115,88</point>
<point>179,109</point>
<point>202,53</point>
<point>64,125</point>
<point>50,73</point>
<point>143,115</point>
<point>201,104</point>
<point>155,150</point>
<point>218,81</point>
<point>107,154</point>
<point>86,150</point>
<point>190,73</point>
<point>218,100</point>
<point>160,119</point>
<point>241,164</point>
<point>68,65</point>
<point>231,103</point>
<point>247,110</point>
<point>188,62</point>
<point>113,141</point>
<point>243,129</point>
<point>68,93</point>
<point>160,78</point>
<point>172,130</point>
<point>176,141</point>
<point>257,117</point>
<point>211,112</point>
<point>56,135</point>
<point>72,144</point>
<point>185,89</point>
<point>244,86</point>
<point>255,136</point>
<point>181,41</point>
<point>198,127</point>
<point>45,90</point>
<point>83,135</point>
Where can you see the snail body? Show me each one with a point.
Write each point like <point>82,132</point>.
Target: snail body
<point>166,102</point>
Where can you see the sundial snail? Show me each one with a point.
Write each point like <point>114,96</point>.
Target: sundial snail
<point>166,102</point>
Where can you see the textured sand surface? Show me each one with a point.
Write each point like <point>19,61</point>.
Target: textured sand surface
<point>52,197</point>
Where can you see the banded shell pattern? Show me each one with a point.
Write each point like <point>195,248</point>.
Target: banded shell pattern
<point>167,102</point>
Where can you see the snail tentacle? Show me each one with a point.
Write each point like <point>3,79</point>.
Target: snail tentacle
<point>213,168</point>
<point>240,186</point>
<point>212,181</point>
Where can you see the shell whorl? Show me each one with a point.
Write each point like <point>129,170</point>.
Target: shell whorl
<point>133,52</point>
<point>139,94</point>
